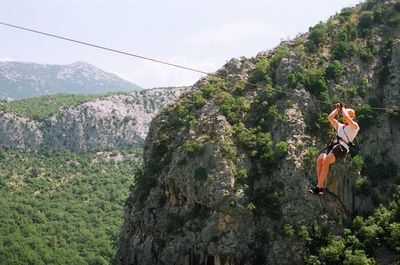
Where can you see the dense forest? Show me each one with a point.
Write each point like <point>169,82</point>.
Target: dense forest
<point>40,108</point>
<point>59,207</point>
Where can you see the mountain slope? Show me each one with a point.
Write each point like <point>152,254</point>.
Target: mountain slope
<point>70,123</point>
<point>21,80</point>
<point>226,168</point>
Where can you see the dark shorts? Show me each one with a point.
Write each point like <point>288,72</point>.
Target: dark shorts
<point>337,150</point>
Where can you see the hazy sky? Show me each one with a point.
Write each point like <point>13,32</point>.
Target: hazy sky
<point>199,34</point>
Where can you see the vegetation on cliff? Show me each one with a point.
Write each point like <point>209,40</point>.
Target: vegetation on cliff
<point>350,58</point>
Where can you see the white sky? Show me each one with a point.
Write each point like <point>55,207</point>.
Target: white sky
<point>199,34</point>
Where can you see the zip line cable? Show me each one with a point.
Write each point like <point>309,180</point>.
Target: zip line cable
<point>164,62</point>
<point>103,48</point>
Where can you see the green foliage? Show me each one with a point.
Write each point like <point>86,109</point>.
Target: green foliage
<point>368,52</point>
<point>242,176</point>
<point>394,238</point>
<point>40,108</point>
<point>357,257</point>
<point>355,246</point>
<point>365,22</point>
<point>261,72</point>
<point>198,100</point>
<point>357,162</point>
<point>314,80</point>
<point>292,79</point>
<point>260,145</point>
<point>318,34</point>
<point>333,252</point>
<point>59,207</point>
<point>194,148</point>
<point>288,230</point>
<point>343,49</point>
<point>312,260</point>
<point>232,108</point>
<point>335,70</point>
<point>345,14</point>
<point>213,86</point>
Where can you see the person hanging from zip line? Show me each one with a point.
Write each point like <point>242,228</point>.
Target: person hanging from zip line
<point>338,147</point>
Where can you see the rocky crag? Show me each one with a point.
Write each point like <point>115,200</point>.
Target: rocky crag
<point>113,121</point>
<point>227,167</point>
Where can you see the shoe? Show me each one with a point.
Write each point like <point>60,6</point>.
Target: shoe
<point>317,191</point>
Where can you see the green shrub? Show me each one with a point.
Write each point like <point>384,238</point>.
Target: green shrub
<point>288,230</point>
<point>242,176</point>
<point>346,13</point>
<point>41,108</point>
<point>292,80</point>
<point>357,257</point>
<point>312,260</point>
<point>198,100</point>
<point>343,49</point>
<point>365,22</point>
<point>361,184</point>
<point>318,34</point>
<point>357,162</point>
<point>274,115</point>
<point>335,70</point>
<point>261,72</point>
<point>394,239</point>
<point>314,80</point>
<point>194,148</point>
<point>213,86</point>
<point>333,252</point>
<point>228,151</point>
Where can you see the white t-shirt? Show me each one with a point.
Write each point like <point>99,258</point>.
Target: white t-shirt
<point>350,132</point>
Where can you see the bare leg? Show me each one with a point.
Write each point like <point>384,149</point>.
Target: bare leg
<point>319,164</point>
<point>328,160</point>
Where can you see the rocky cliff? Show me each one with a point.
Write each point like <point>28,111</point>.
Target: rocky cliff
<point>227,167</point>
<point>120,120</point>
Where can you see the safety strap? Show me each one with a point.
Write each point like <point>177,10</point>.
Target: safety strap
<point>349,143</point>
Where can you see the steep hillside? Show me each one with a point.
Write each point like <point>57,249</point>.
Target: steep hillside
<point>68,122</point>
<point>226,168</point>
<point>22,80</point>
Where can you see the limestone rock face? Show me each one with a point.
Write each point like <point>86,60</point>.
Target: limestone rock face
<point>114,121</point>
<point>194,205</point>
<point>227,167</point>
<point>19,132</point>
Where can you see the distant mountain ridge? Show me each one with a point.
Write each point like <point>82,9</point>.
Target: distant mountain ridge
<point>22,80</point>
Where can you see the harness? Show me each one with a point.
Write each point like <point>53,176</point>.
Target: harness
<point>339,140</point>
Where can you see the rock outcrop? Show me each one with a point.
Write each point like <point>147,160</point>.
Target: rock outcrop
<point>114,121</point>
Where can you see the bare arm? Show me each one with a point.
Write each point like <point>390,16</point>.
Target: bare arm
<point>331,118</point>
<point>353,124</point>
